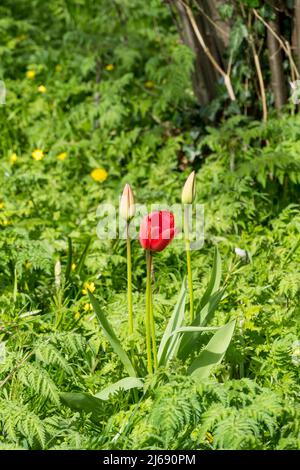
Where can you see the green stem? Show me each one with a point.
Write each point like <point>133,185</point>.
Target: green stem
<point>151,315</point>
<point>148,313</point>
<point>188,261</point>
<point>129,282</point>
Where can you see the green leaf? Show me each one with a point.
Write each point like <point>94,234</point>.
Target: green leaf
<point>70,258</point>
<point>215,279</point>
<point>123,384</point>
<point>168,344</point>
<point>111,336</point>
<point>213,352</point>
<point>83,402</point>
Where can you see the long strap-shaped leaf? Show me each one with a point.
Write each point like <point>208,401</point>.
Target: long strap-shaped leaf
<point>215,279</point>
<point>168,343</point>
<point>193,329</point>
<point>111,336</point>
<point>213,352</point>
<point>189,342</point>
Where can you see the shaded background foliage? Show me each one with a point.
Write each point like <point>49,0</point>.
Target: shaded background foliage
<point>123,94</point>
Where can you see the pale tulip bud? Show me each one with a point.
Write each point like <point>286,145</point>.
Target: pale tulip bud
<point>57,274</point>
<point>127,207</point>
<point>189,190</point>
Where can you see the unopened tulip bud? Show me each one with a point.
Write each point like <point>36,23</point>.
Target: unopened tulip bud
<point>189,190</point>
<point>57,273</point>
<point>127,207</point>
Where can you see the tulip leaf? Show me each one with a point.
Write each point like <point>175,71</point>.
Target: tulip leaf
<point>169,342</point>
<point>83,255</point>
<point>124,384</point>
<point>83,402</point>
<point>213,352</point>
<point>215,279</point>
<point>111,336</point>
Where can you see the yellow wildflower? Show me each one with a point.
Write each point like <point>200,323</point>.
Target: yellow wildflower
<point>42,89</point>
<point>73,267</point>
<point>62,156</point>
<point>2,205</point>
<point>109,67</point>
<point>38,154</point>
<point>99,174</point>
<point>77,315</point>
<point>87,307</point>
<point>149,84</point>
<point>88,286</point>
<point>209,437</point>
<point>13,158</point>
<point>30,74</point>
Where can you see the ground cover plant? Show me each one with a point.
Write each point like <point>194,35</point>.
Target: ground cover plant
<point>107,343</point>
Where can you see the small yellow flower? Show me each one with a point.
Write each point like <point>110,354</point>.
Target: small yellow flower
<point>73,267</point>
<point>30,74</point>
<point>87,307</point>
<point>62,156</point>
<point>38,154</point>
<point>99,174</point>
<point>77,315</point>
<point>13,158</point>
<point>109,67</point>
<point>149,84</point>
<point>42,89</point>
<point>2,205</point>
<point>88,286</point>
<point>209,437</point>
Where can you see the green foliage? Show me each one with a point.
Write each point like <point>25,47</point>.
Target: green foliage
<point>138,121</point>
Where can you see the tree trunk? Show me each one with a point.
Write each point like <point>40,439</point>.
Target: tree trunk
<point>296,32</point>
<point>275,60</point>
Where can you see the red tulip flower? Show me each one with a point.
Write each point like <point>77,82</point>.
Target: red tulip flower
<point>157,230</point>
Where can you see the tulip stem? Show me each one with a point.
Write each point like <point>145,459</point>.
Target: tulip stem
<point>153,335</point>
<point>188,261</point>
<point>148,313</point>
<point>129,282</point>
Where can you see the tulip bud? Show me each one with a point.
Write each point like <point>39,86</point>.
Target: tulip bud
<point>127,207</point>
<point>189,190</point>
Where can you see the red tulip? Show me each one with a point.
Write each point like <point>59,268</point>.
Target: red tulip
<point>157,230</point>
